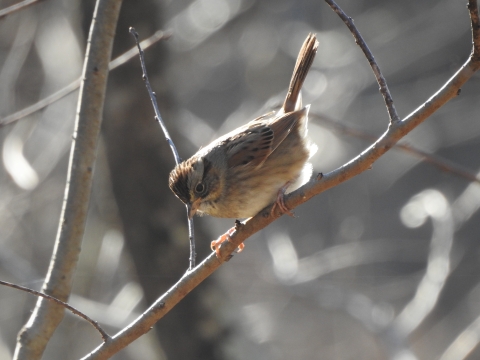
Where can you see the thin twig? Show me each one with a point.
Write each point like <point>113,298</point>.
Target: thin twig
<point>145,44</point>
<point>191,238</point>
<point>115,63</point>
<point>158,117</point>
<point>102,332</point>
<point>438,161</point>
<point>153,98</point>
<point>315,186</point>
<point>17,7</point>
<point>39,105</point>
<point>392,112</point>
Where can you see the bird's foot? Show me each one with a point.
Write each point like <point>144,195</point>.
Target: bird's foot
<point>215,245</point>
<point>280,202</point>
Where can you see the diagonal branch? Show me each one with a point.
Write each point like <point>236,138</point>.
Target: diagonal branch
<point>440,162</point>
<point>392,113</point>
<point>46,316</point>
<point>321,183</point>
<point>115,63</point>
<point>17,7</point>
<point>102,332</point>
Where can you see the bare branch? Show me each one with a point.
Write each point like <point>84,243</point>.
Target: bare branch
<point>158,117</point>
<point>102,332</point>
<point>153,98</point>
<point>392,113</point>
<point>17,7</point>
<point>46,316</point>
<point>115,63</point>
<point>434,279</point>
<point>145,44</point>
<point>41,104</point>
<point>438,161</point>
<point>475,23</point>
<point>464,343</point>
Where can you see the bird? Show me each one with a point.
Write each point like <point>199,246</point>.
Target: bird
<point>253,166</point>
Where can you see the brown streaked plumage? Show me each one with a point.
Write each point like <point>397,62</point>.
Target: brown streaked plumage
<point>242,172</point>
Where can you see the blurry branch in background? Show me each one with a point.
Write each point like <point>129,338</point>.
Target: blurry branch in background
<point>348,255</point>
<point>465,342</point>
<point>319,184</point>
<point>436,160</point>
<point>102,332</point>
<point>371,60</point>
<point>35,335</point>
<point>437,271</point>
<point>176,156</point>
<point>115,63</point>
<point>17,7</point>
<point>394,332</point>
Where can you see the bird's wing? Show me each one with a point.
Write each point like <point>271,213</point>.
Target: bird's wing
<point>255,142</point>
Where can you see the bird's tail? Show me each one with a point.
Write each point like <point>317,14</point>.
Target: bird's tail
<point>302,66</point>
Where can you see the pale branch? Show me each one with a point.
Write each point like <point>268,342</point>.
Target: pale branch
<point>465,343</point>
<point>429,288</point>
<point>158,117</point>
<point>315,186</point>
<point>436,160</point>
<point>46,316</point>
<point>39,105</point>
<point>392,112</point>
<point>17,7</point>
<point>159,35</point>
<point>115,63</point>
<point>102,332</point>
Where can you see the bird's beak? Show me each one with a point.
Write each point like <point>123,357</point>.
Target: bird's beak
<point>193,207</point>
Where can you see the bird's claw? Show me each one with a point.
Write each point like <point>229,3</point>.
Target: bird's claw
<point>215,244</point>
<point>280,202</point>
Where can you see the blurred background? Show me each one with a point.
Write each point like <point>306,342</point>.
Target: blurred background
<point>385,266</point>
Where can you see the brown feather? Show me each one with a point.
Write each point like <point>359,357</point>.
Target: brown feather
<point>178,180</point>
<point>302,66</point>
<point>254,145</point>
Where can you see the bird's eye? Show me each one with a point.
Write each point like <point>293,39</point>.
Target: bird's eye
<point>200,188</point>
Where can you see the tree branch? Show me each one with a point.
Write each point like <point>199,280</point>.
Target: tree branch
<point>17,7</point>
<point>475,24</point>
<point>371,60</point>
<point>176,156</point>
<point>102,332</point>
<point>115,63</point>
<point>361,163</point>
<point>46,316</point>
<point>437,161</point>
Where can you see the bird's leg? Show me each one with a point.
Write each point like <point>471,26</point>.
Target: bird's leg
<point>215,245</point>
<point>280,202</point>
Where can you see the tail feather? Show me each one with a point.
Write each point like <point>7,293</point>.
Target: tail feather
<point>302,66</point>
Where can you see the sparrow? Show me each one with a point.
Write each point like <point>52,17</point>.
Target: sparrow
<point>242,172</point>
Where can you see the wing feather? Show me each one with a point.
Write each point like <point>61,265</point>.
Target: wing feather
<point>253,145</point>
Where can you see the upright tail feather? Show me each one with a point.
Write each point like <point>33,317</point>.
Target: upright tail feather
<point>302,66</point>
